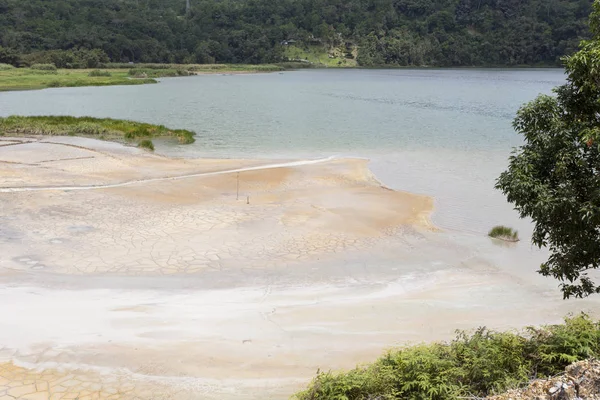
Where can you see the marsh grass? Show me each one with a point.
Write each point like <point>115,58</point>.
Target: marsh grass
<point>473,365</point>
<point>97,72</point>
<point>28,79</point>
<point>146,144</point>
<point>504,233</point>
<point>158,73</point>
<point>110,129</point>
<point>44,67</point>
<point>198,67</point>
<point>113,74</point>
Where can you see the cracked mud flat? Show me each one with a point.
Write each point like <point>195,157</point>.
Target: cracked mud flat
<point>129,275</point>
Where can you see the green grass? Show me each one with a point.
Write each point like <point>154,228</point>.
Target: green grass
<point>146,144</point>
<point>99,128</point>
<point>44,67</point>
<point>207,68</point>
<point>113,74</point>
<point>319,55</point>
<point>158,73</point>
<point>504,233</point>
<point>28,79</point>
<point>97,72</point>
<point>471,366</point>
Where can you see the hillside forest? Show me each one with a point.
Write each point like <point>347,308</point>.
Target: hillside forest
<point>372,32</point>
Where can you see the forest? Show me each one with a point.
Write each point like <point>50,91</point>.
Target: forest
<point>374,32</point>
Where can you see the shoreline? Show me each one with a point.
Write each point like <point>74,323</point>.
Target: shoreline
<point>203,285</point>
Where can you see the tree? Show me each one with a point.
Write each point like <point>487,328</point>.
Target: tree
<point>554,178</point>
<point>8,56</point>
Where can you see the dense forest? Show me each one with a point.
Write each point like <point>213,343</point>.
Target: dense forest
<point>385,32</point>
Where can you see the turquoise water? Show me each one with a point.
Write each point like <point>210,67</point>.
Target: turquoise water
<point>445,133</point>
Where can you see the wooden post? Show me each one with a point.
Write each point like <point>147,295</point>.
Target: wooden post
<point>237,190</point>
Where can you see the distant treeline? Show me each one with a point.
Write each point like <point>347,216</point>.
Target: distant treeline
<point>387,32</point>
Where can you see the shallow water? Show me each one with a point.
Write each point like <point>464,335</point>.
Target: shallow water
<point>445,133</point>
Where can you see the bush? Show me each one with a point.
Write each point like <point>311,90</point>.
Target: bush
<point>81,58</point>
<point>5,67</point>
<point>9,56</point>
<point>146,144</point>
<point>157,72</point>
<point>97,72</point>
<point>472,365</point>
<point>504,233</point>
<point>44,67</point>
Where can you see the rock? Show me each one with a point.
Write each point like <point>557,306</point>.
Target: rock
<point>581,381</point>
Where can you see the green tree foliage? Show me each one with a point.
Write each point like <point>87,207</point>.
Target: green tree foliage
<point>81,58</point>
<point>555,177</point>
<point>472,365</point>
<point>8,56</point>
<point>393,32</point>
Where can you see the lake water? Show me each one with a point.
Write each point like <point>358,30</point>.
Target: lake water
<point>445,133</point>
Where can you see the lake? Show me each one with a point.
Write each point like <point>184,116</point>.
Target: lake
<point>442,132</point>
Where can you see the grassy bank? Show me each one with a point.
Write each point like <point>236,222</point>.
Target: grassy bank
<point>471,366</point>
<point>97,128</point>
<point>28,79</point>
<point>114,74</point>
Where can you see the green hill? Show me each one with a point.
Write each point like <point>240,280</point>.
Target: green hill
<point>367,32</point>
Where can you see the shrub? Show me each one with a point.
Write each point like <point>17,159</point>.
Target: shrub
<point>146,144</point>
<point>44,67</point>
<point>81,58</point>
<point>472,365</point>
<point>504,233</point>
<point>4,67</point>
<point>138,73</point>
<point>98,72</point>
<point>53,84</point>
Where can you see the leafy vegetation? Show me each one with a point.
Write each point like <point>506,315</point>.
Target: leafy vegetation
<point>97,72</point>
<point>321,56</point>
<point>146,144</point>
<point>27,78</point>
<point>157,73</point>
<point>478,364</point>
<point>80,58</point>
<point>386,32</point>
<point>554,178</point>
<point>116,74</point>
<point>99,128</point>
<point>4,67</point>
<point>504,233</point>
<point>44,67</point>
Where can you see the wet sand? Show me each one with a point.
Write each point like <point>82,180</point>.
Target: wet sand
<point>130,275</point>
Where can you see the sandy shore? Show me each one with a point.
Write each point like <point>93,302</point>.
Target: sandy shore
<point>130,275</point>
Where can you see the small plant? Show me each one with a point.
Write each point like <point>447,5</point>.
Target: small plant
<point>53,84</point>
<point>6,67</point>
<point>98,72</point>
<point>504,233</point>
<point>146,144</point>
<point>44,67</point>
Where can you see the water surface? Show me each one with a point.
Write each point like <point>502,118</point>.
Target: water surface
<point>445,133</point>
